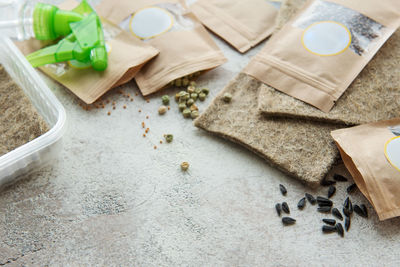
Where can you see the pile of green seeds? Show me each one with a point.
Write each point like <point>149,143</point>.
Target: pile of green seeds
<point>325,205</point>
<point>187,100</point>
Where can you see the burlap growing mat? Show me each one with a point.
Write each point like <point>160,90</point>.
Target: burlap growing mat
<point>299,148</point>
<point>373,96</point>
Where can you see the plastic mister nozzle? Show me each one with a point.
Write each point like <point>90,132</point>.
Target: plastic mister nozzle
<point>85,43</point>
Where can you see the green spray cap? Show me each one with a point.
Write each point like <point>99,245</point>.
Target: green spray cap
<point>85,43</point>
<point>49,22</point>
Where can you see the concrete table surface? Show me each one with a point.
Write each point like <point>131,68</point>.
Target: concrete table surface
<point>111,199</point>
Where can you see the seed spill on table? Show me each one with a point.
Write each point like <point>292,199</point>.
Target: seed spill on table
<point>351,188</point>
<point>339,178</point>
<point>288,221</point>
<point>285,207</point>
<point>347,223</point>
<point>339,229</point>
<point>337,214</point>
<point>311,199</point>
<point>365,210</point>
<point>278,209</point>
<point>359,211</point>
<point>324,209</point>
<point>302,203</point>
<point>329,221</point>
<point>331,191</point>
<point>327,229</point>
<point>283,190</point>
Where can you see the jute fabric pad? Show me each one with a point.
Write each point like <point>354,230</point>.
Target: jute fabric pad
<point>19,120</point>
<point>373,96</point>
<point>302,149</point>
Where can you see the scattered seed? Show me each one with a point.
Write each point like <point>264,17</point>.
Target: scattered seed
<point>124,106</point>
<point>147,117</point>
<point>351,188</point>
<point>346,212</point>
<point>165,99</point>
<point>114,107</point>
<point>348,205</point>
<point>184,166</point>
<point>109,113</point>
<point>168,138</point>
<point>143,124</point>
<point>339,178</point>
<point>285,207</point>
<point>360,211</point>
<point>148,101</point>
<point>302,203</point>
<point>169,107</point>
<point>162,110</point>
<point>194,114</point>
<point>186,113</point>
<point>283,189</point>
<point>144,135</point>
<point>329,221</point>
<point>324,202</point>
<point>227,97</point>
<point>347,223</point>
<point>331,191</point>
<point>327,229</point>
<point>278,208</point>
<point>326,182</point>
<point>311,199</point>
<point>339,229</point>
<point>202,96</point>
<point>324,209</point>
<point>364,209</point>
<point>155,147</point>
<point>140,110</point>
<point>288,221</point>
<point>131,99</point>
<point>160,141</point>
<point>337,214</point>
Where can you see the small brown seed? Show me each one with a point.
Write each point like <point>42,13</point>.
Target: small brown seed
<point>288,221</point>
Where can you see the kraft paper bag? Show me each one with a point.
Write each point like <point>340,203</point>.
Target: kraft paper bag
<point>371,153</point>
<point>126,57</point>
<point>319,52</point>
<point>243,24</point>
<point>185,45</point>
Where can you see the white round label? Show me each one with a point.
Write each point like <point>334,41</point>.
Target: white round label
<point>326,38</point>
<point>392,152</point>
<point>150,22</point>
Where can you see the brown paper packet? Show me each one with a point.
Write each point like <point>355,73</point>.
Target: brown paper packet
<point>318,72</point>
<point>185,48</point>
<point>126,57</point>
<point>299,148</point>
<point>371,97</point>
<point>243,24</point>
<point>371,153</point>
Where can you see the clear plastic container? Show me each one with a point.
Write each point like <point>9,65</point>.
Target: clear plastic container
<point>40,151</point>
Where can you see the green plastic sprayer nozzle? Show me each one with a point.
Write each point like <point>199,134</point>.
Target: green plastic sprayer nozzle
<point>84,39</point>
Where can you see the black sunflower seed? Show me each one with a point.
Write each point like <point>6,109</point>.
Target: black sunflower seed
<point>337,214</point>
<point>365,210</point>
<point>302,203</point>
<point>329,221</point>
<point>339,229</point>
<point>348,205</point>
<point>331,191</point>
<point>283,189</point>
<point>351,188</point>
<point>278,209</point>
<point>347,223</point>
<point>322,202</point>
<point>327,182</point>
<point>285,207</point>
<point>359,211</point>
<point>311,199</point>
<point>346,212</point>
<point>324,209</point>
<point>327,229</point>
<point>288,221</point>
<point>339,178</point>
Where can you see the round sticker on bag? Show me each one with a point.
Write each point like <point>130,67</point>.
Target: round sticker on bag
<point>392,152</point>
<point>326,38</point>
<point>150,22</point>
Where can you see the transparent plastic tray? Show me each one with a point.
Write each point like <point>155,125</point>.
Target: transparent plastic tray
<point>38,152</point>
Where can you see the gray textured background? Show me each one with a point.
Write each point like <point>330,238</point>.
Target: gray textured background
<point>111,199</point>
